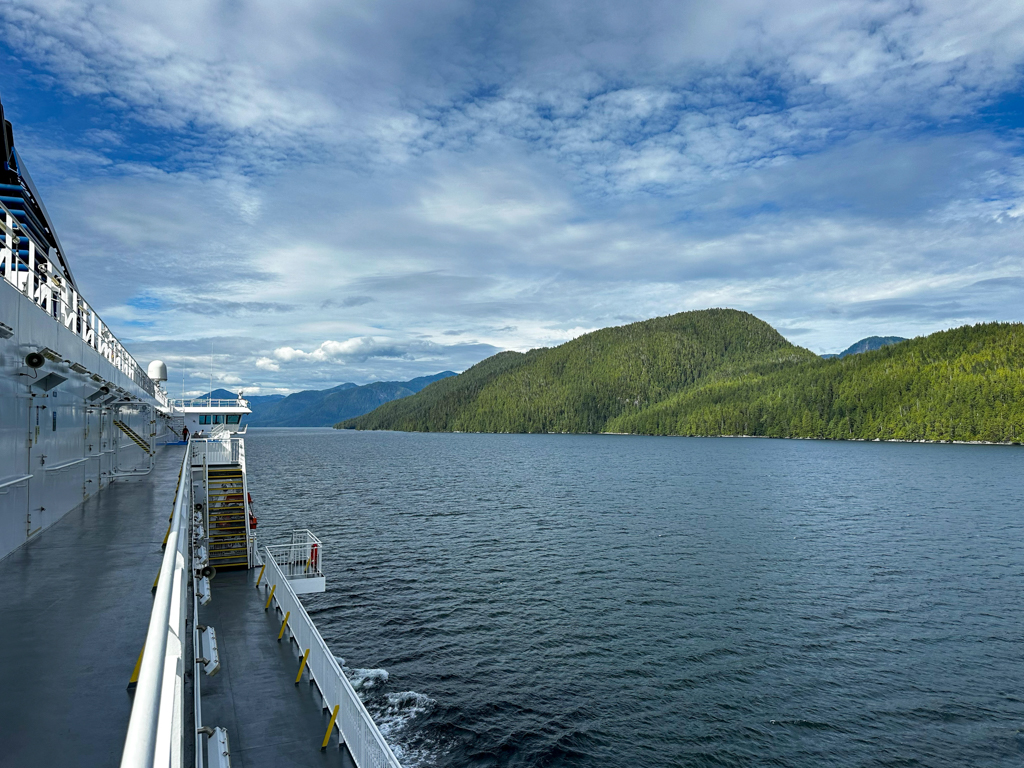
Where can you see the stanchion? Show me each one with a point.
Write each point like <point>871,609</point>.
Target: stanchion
<point>134,681</point>
<point>261,575</point>
<point>283,625</point>
<point>330,727</point>
<point>269,598</point>
<point>302,666</point>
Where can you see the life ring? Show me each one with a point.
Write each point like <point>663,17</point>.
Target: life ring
<point>252,516</point>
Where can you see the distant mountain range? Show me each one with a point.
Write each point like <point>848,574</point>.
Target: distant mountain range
<point>724,372</point>
<point>323,408</point>
<point>869,344</point>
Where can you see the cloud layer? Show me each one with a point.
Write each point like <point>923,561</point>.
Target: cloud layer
<point>326,192</point>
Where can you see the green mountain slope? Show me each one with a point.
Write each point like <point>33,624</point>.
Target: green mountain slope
<point>963,384</point>
<point>437,407</point>
<point>581,385</point>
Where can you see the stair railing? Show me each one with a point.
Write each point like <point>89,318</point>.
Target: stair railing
<point>115,471</point>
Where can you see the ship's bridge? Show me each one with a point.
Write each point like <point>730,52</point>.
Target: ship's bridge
<point>207,414</point>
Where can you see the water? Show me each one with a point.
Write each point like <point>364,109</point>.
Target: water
<point>561,600</point>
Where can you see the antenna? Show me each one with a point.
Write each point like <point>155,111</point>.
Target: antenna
<point>209,397</point>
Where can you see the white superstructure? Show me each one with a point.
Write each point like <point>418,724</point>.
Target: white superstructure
<point>76,411</point>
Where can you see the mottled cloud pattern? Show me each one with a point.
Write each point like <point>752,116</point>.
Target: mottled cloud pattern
<point>321,192</point>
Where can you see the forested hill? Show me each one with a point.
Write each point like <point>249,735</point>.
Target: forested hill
<point>964,384</point>
<point>582,385</point>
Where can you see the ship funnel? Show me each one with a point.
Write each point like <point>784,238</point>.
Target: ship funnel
<point>157,371</point>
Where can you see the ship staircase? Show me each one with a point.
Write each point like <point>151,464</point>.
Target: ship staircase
<point>176,425</point>
<point>221,494</point>
<point>226,521</point>
<point>134,436</point>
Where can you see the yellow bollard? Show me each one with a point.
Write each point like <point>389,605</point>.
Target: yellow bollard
<point>330,727</point>
<point>302,666</point>
<point>283,625</point>
<point>134,681</point>
<point>271,597</point>
<point>261,575</point>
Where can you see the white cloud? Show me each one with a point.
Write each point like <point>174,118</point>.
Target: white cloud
<point>398,175</point>
<point>361,349</point>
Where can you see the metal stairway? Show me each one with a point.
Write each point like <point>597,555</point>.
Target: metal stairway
<point>176,425</point>
<point>226,517</point>
<point>133,436</point>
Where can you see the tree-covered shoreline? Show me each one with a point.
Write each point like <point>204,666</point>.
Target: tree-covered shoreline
<point>726,373</point>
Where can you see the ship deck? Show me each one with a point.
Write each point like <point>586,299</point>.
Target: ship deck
<point>76,605</point>
<point>271,721</point>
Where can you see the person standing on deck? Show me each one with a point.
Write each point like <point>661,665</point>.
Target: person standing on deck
<point>184,434</point>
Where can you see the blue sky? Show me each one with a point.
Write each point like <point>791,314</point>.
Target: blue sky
<point>348,191</point>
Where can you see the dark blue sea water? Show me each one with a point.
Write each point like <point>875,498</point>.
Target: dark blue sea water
<point>561,600</point>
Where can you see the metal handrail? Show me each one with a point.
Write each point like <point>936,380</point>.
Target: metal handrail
<point>361,735</point>
<point>205,402</point>
<point>154,736</point>
<point>224,448</point>
<point>302,558</point>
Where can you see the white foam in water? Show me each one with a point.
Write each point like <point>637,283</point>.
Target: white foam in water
<point>362,679</point>
<point>399,709</point>
<point>392,712</point>
<point>408,703</point>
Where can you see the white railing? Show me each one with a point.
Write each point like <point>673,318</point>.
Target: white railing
<point>218,450</point>
<point>38,278</point>
<point>206,402</point>
<point>300,559</point>
<point>155,728</point>
<point>360,734</point>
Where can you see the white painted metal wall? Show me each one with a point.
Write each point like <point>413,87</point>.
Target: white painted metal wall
<point>56,448</point>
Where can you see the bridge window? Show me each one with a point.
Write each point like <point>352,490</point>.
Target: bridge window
<point>217,418</point>
<point>204,418</point>
<point>232,418</point>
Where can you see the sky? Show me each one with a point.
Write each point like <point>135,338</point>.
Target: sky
<point>328,191</point>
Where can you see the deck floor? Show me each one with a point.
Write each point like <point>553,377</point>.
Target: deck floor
<point>76,605</point>
<point>270,720</point>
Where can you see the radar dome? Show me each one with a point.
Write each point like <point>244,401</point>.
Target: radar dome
<point>157,371</point>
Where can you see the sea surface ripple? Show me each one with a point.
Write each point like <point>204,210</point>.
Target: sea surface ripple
<point>567,600</point>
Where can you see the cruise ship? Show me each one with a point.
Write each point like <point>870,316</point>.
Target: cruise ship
<point>144,624</point>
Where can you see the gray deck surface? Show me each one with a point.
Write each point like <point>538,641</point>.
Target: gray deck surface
<point>270,720</point>
<point>76,605</point>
